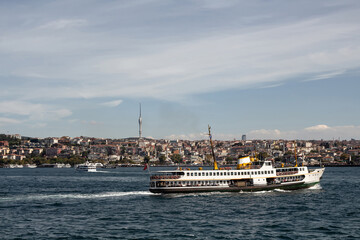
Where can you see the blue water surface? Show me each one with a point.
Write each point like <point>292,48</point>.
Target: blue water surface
<point>116,204</point>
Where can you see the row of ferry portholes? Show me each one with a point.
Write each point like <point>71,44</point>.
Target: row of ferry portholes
<point>289,179</point>
<point>191,183</point>
<point>229,173</point>
<point>165,177</point>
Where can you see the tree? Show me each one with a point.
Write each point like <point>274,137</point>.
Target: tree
<point>344,156</point>
<point>262,155</point>
<point>11,140</point>
<point>123,149</point>
<point>229,160</point>
<point>162,159</point>
<point>176,158</point>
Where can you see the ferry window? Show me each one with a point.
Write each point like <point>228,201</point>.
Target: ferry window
<point>232,173</point>
<point>262,172</point>
<point>195,174</point>
<point>241,173</point>
<point>207,174</point>
<point>221,174</point>
<point>187,174</point>
<point>192,174</point>
<point>218,173</point>
<point>203,174</point>
<point>210,173</point>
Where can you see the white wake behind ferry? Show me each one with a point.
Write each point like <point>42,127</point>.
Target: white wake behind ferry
<point>249,175</point>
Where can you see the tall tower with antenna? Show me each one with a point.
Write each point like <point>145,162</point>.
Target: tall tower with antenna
<point>140,124</point>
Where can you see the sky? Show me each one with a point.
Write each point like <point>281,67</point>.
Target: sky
<point>272,69</point>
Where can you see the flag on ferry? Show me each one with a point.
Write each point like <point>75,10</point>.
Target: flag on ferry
<point>146,162</point>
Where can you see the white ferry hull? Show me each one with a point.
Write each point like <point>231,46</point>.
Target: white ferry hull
<point>288,186</point>
<point>87,167</point>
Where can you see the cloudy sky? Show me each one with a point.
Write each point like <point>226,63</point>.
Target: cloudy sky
<point>267,69</point>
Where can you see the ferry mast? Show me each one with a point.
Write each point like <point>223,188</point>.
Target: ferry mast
<point>212,149</point>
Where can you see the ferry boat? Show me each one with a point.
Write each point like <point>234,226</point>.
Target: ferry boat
<point>86,167</point>
<point>249,175</point>
<point>30,166</point>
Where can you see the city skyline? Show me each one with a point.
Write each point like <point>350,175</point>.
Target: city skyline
<point>267,70</point>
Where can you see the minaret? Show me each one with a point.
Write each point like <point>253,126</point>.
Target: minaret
<point>140,123</point>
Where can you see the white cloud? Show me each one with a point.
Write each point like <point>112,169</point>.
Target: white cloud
<point>173,68</point>
<point>321,127</point>
<point>4,121</point>
<point>114,103</point>
<point>215,4</point>
<point>92,122</point>
<point>33,111</point>
<point>64,23</point>
<point>327,75</point>
<point>320,131</point>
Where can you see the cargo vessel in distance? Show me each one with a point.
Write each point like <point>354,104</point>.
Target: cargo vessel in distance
<point>249,175</point>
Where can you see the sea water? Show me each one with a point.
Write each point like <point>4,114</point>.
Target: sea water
<point>116,204</point>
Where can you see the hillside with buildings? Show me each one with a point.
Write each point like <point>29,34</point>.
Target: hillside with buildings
<point>18,150</point>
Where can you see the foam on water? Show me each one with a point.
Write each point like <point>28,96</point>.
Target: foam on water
<point>262,192</point>
<point>281,190</point>
<point>316,187</point>
<point>78,196</point>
